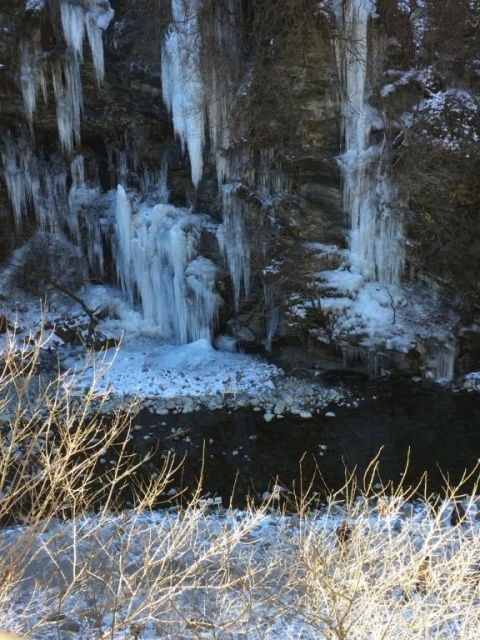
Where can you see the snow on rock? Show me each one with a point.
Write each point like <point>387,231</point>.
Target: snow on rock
<point>449,116</point>
<point>164,377</point>
<point>146,368</point>
<point>35,5</point>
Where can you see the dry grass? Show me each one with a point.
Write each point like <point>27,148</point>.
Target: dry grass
<point>74,565</point>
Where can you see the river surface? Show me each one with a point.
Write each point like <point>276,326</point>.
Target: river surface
<point>437,431</point>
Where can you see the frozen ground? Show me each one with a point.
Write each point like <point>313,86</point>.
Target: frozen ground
<point>141,366</point>
<point>402,572</point>
<point>144,366</point>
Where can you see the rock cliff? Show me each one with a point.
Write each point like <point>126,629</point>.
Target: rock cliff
<point>301,173</point>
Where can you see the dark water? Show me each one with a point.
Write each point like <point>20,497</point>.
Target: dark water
<point>437,431</point>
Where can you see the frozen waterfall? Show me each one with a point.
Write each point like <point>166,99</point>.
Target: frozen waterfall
<point>376,236</point>
<point>182,86</point>
<point>157,261</point>
<point>198,87</point>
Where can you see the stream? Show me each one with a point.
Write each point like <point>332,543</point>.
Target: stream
<point>436,430</point>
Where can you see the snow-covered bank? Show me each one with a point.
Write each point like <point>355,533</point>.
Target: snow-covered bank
<point>381,568</point>
<point>162,376</point>
<point>194,376</point>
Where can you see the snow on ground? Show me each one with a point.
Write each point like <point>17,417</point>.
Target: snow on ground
<point>142,364</point>
<point>146,368</point>
<point>389,569</point>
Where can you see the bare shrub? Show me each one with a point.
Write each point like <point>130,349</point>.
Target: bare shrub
<point>372,563</point>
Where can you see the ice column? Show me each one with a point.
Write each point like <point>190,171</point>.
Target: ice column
<point>233,240</point>
<point>182,86</point>
<point>376,238</point>
<point>157,261</point>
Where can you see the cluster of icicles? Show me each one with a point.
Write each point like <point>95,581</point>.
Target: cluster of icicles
<point>155,247</point>
<point>92,17</point>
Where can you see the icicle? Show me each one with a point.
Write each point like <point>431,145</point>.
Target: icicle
<point>31,182</point>
<point>182,86</point>
<point>73,24</point>
<point>272,319</point>
<point>271,180</point>
<point>234,242</point>
<point>154,184</point>
<point>96,15</point>
<point>32,75</point>
<point>98,18</point>
<point>67,87</point>
<point>75,196</point>
<point>156,257</point>
<point>16,179</point>
<point>85,212</point>
<point>28,81</point>
<point>376,239</point>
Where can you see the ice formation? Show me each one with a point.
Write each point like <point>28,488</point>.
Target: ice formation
<point>182,85</point>
<point>376,238</point>
<point>197,85</point>
<point>67,87</point>
<point>32,183</point>
<point>73,24</point>
<point>233,240</point>
<point>156,246</point>
<point>157,260</point>
<point>32,75</point>
<point>197,90</point>
<point>92,16</point>
<point>87,209</point>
